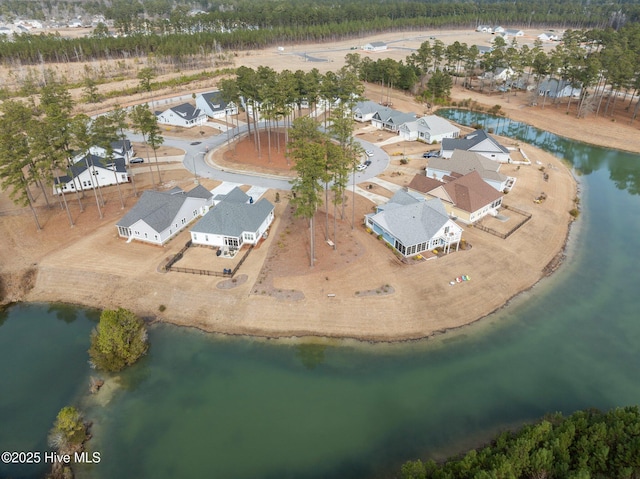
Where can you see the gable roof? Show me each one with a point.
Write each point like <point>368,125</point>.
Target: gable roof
<point>412,220</point>
<point>214,100</point>
<point>159,208</point>
<point>234,215</point>
<point>186,111</point>
<point>468,142</point>
<point>367,107</point>
<point>470,192</point>
<point>395,117</point>
<point>95,161</point>
<point>463,162</point>
<point>423,183</point>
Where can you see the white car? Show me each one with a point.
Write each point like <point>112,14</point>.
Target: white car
<point>361,167</point>
<point>369,153</point>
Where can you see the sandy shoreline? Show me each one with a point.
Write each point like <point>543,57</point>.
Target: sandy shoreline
<point>90,266</point>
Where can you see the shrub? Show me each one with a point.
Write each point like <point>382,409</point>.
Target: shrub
<point>404,161</point>
<point>162,308</point>
<point>119,340</point>
<point>575,212</point>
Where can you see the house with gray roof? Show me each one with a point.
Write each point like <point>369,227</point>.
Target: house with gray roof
<point>411,224</point>
<point>158,216</point>
<point>185,115</point>
<point>364,110</point>
<point>429,129</point>
<point>91,171</point>
<point>463,162</point>
<point>478,141</point>
<point>554,88</point>
<point>214,106</point>
<point>119,149</point>
<point>375,47</point>
<point>391,120</point>
<point>234,221</point>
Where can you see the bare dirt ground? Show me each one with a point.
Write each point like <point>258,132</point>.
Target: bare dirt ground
<point>359,290</point>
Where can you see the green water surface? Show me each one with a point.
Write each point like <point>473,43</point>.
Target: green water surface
<point>205,406</point>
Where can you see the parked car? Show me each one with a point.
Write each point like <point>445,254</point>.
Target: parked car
<point>367,163</point>
<point>430,154</point>
<point>369,153</point>
<point>193,143</point>
<point>136,160</point>
<point>361,167</point>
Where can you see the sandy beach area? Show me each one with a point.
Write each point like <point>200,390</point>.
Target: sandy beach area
<point>360,290</point>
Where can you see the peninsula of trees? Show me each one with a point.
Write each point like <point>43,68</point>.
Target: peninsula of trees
<point>586,444</point>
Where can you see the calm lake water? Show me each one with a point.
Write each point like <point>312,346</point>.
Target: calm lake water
<point>205,406</point>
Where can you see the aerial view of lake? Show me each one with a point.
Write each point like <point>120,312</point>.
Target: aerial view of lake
<point>201,405</point>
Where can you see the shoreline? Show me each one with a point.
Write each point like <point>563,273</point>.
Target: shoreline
<point>196,302</point>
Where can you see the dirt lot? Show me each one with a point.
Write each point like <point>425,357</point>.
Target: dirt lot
<point>358,290</point>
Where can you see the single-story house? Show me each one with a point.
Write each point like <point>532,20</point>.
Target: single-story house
<point>160,215</point>
<point>477,141</point>
<point>483,49</point>
<point>484,29</point>
<point>430,129</point>
<point>375,47</point>
<point>463,162</point>
<point>119,149</point>
<point>214,106</point>
<point>549,37</point>
<point>514,33</point>
<point>389,119</point>
<point>554,88</point>
<point>467,198</point>
<point>91,171</point>
<point>364,110</point>
<point>185,115</point>
<point>234,221</point>
<point>500,74</point>
<point>411,224</point>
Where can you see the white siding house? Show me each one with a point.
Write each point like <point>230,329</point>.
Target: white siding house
<point>477,141</point>
<point>213,105</point>
<point>91,171</point>
<point>185,115</point>
<point>119,149</point>
<point>554,88</point>
<point>233,222</point>
<point>390,119</point>
<point>430,129</point>
<point>375,47</point>
<point>160,215</point>
<point>364,110</point>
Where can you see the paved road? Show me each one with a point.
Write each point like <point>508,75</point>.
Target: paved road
<point>194,161</point>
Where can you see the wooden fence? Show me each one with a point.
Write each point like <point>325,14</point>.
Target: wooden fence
<point>226,273</point>
<point>527,217</point>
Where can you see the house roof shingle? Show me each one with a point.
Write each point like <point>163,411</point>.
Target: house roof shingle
<point>472,139</point>
<point>412,220</point>
<point>471,193</point>
<point>464,162</point>
<point>234,215</point>
<point>159,208</point>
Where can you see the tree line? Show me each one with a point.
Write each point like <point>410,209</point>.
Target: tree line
<point>146,28</point>
<point>587,444</point>
<point>604,65</point>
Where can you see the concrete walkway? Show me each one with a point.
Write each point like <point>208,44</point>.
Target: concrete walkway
<point>375,198</point>
<point>385,184</point>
